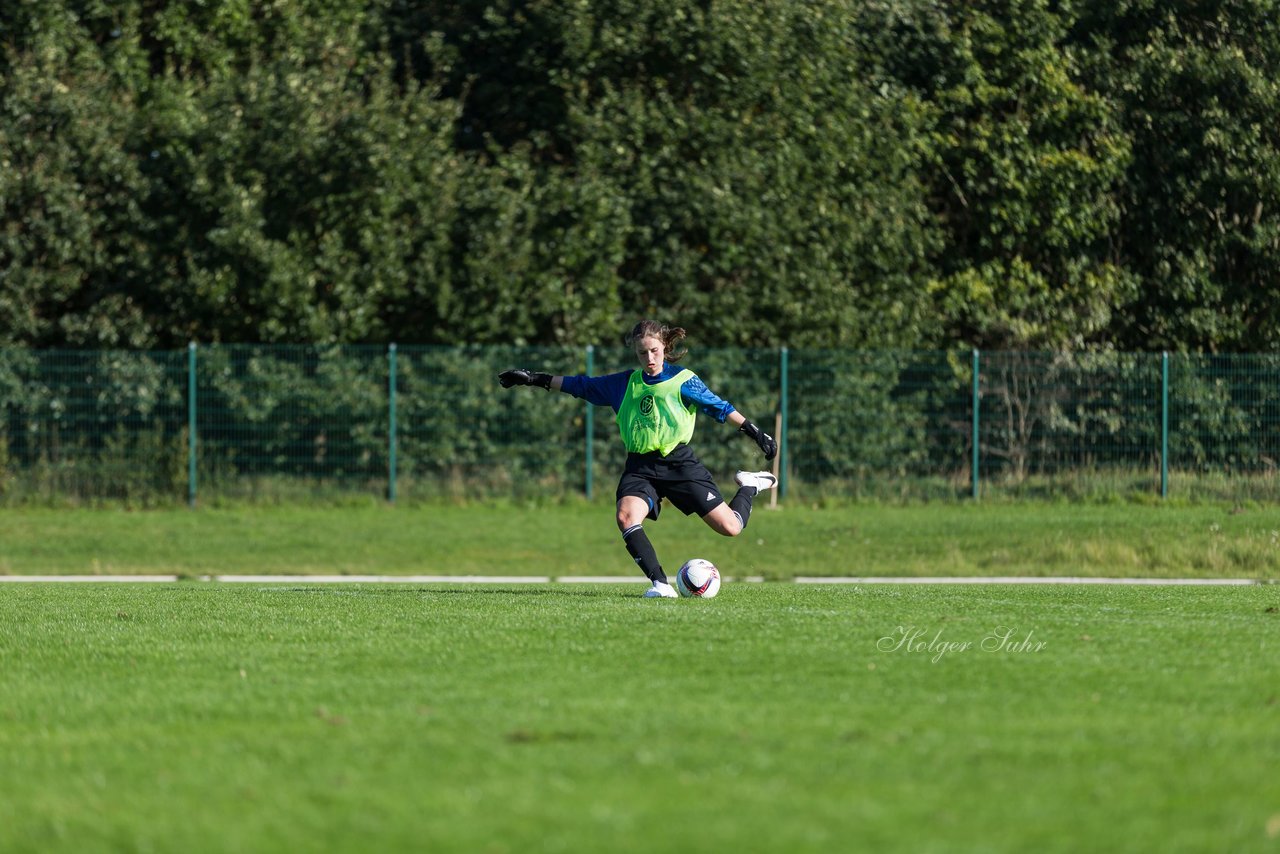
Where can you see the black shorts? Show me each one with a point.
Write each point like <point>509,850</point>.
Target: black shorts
<point>678,477</point>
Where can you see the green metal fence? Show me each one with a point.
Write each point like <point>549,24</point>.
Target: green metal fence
<point>283,423</point>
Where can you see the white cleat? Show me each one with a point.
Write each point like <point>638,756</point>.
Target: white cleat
<point>661,590</point>
<point>761,480</point>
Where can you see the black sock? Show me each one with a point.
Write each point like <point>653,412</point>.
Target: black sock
<point>641,549</point>
<point>741,503</point>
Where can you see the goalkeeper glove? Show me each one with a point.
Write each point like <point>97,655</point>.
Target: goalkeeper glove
<point>520,376</point>
<point>766,442</point>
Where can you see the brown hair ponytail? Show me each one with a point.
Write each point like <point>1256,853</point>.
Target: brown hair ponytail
<point>670,336</point>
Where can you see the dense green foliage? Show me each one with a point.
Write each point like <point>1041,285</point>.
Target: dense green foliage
<point>1009,173</point>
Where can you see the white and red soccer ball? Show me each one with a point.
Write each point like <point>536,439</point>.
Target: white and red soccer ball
<point>698,579</point>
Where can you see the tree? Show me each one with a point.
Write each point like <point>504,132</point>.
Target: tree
<point>1200,224</point>
<point>773,194</point>
<point>74,254</point>
<point>1026,163</point>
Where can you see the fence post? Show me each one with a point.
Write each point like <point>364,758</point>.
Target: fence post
<point>590,428</point>
<point>191,424</point>
<point>1164,424</point>
<point>784,405</point>
<point>976,397</point>
<point>391,423</point>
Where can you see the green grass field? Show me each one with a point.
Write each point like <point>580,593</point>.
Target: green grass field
<point>280,717</point>
<point>579,538</point>
<point>207,717</point>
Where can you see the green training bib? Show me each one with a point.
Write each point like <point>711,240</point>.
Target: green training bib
<point>655,417</point>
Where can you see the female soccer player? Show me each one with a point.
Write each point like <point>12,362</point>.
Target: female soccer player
<point>656,408</point>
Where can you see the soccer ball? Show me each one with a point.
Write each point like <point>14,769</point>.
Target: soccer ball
<point>698,578</point>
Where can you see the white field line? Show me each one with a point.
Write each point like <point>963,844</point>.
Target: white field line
<point>43,579</point>
<point>614,579</point>
<point>1185,582</point>
<point>379,579</point>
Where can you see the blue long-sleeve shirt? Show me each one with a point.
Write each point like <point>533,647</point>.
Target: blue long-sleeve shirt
<point>608,390</point>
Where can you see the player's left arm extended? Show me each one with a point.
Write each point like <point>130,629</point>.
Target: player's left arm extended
<point>711,404</point>
<point>767,443</point>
